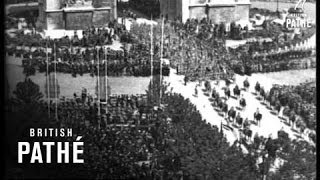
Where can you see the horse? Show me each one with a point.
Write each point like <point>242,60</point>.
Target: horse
<point>257,116</point>
<point>243,103</point>
<point>207,86</point>
<point>225,108</point>
<point>257,87</point>
<point>247,133</point>
<point>227,93</point>
<point>246,84</point>
<point>236,91</point>
<point>219,103</point>
<point>232,114</point>
<point>214,93</point>
<point>239,120</point>
<point>262,92</point>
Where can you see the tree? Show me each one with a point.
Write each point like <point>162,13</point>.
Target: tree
<point>27,92</point>
<point>201,150</point>
<point>299,162</point>
<point>29,70</point>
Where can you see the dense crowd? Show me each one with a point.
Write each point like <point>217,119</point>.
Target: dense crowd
<point>130,62</point>
<point>174,142</point>
<point>128,137</point>
<point>298,102</point>
<point>73,58</point>
<point>189,47</point>
<point>249,61</point>
<point>90,37</point>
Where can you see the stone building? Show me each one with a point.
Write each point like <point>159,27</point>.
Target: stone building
<point>217,11</point>
<point>75,14</point>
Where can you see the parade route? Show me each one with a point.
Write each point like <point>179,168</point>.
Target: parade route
<point>270,123</point>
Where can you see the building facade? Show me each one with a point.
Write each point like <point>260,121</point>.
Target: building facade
<point>217,11</point>
<point>76,14</point>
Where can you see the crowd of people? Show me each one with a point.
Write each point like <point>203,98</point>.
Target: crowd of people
<point>170,141</point>
<point>118,63</point>
<point>189,47</point>
<point>133,60</point>
<point>127,137</point>
<point>91,36</point>
<point>294,105</point>
<point>271,62</point>
<point>296,102</point>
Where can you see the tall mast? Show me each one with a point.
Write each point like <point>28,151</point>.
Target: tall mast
<point>98,82</point>
<point>55,81</point>
<point>48,84</point>
<point>106,74</point>
<point>161,57</point>
<point>151,51</point>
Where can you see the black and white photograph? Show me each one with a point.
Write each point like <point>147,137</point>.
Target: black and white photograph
<point>160,89</point>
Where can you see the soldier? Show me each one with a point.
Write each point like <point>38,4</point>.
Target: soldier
<point>231,114</point>
<point>236,91</point>
<point>257,116</point>
<point>227,92</point>
<point>257,87</point>
<point>225,108</point>
<point>246,84</point>
<point>239,119</point>
<point>214,92</point>
<point>242,102</point>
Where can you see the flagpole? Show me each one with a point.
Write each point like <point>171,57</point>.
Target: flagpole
<point>106,74</point>
<point>98,83</point>
<point>161,57</point>
<point>55,81</point>
<point>48,83</point>
<point>151,51</point>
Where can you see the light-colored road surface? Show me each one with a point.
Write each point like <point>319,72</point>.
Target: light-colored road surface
<point>270,124</point>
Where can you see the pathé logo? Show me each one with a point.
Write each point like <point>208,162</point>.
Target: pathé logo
<point>297,18</point>
<point>299,2</point>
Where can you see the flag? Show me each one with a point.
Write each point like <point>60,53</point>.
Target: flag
<point>54,87</point>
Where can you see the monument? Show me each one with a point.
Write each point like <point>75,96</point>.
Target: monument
<point>76,14</point>
<point>217,11</point>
